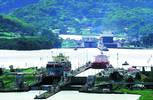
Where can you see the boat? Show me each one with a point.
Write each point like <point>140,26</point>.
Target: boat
<point>105,49</point>
<point>125,63</point>
<point>101,62</point>
<point>75,48</point>
<point>56,70</point>
<point>60,66</point>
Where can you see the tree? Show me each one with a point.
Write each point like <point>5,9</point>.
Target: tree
<point>151,74</point>
<point>1,84</point>
<point>11,68</point>
<point>143,70</point>
<point>1,71</point>
<point>138,76</point>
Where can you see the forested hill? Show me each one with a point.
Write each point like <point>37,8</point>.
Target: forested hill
<point>9,5</point>
<point>134,17</point>
<point>18,35</point>
<point>77,16</point>
<point>13,24</point>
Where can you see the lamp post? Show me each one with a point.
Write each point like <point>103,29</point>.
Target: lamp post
<point>117,59</point>
<point>148,61</point>
<point>77,58</point>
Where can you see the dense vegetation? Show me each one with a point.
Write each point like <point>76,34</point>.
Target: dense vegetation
<point>148,40</point>
<point>12,24</point>
<point>17,34</point>
<point>8,81</point>
<point>133,17</point>
<point>77,16</point>
<point>8,5</point>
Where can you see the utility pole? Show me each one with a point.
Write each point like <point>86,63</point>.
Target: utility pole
<point>117,59</point>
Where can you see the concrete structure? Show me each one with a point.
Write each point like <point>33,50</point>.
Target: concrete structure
<point>106,40</point>
<point>90,41</point>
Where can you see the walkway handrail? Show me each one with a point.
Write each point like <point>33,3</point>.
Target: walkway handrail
<point>81,69</point>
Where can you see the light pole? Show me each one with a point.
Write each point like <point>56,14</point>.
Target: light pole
<point>117,59</point>
<point>148,61</point>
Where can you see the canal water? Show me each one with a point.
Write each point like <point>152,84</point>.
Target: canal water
<point>68,95</point>
<point>39,58</point>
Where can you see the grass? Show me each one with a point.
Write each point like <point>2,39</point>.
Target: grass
<point>29,70</point>
<point>146,94</point>
<point>10,80</point>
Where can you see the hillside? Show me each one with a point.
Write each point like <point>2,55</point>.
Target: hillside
<point>134,17</point>
<point>12,24</point>
<point>9,5</point>
<point>79,16</point>
<point>19,35</point>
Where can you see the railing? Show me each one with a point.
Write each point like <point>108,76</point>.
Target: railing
<point>81,69</point>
